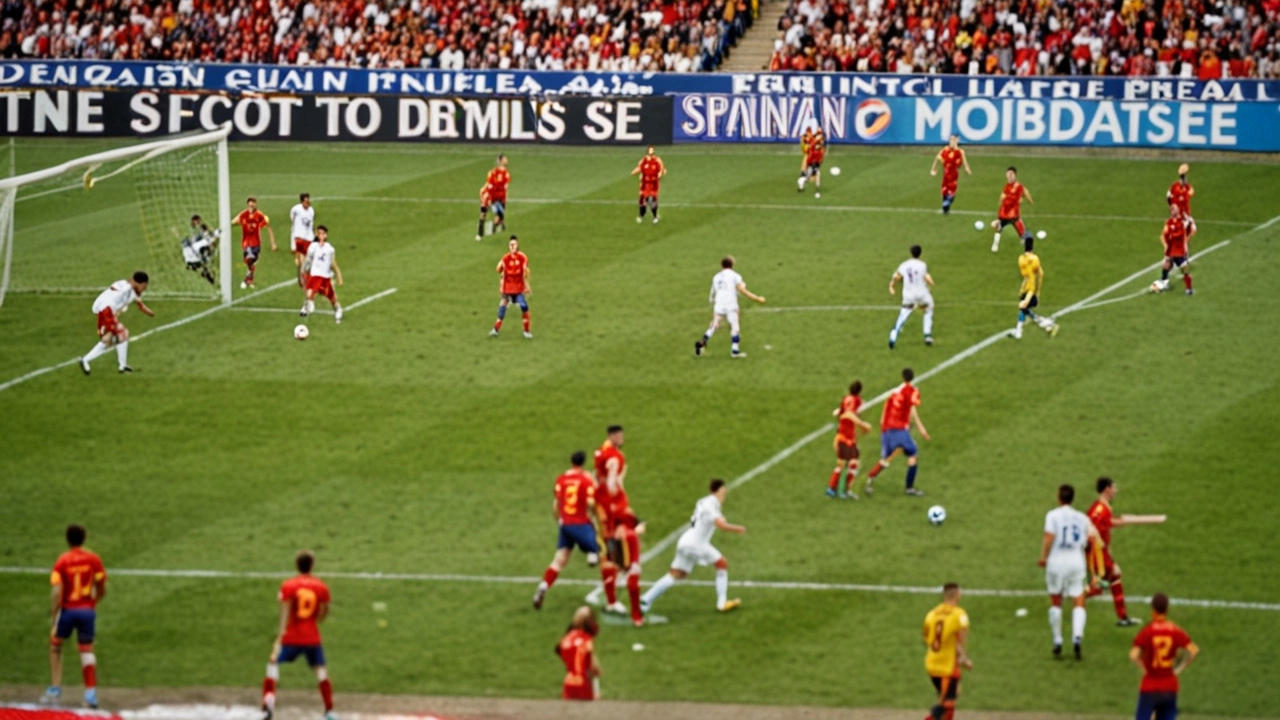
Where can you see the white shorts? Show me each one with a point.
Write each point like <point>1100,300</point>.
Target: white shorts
<point>921,300</point>
<point>730,314</point>
<point>687,556</point>
<point>1065,578</point>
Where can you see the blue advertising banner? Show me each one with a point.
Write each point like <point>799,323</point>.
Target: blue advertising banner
<point>1248,126</point>
<point>237,79</point>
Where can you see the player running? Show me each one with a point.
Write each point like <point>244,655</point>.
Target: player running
<point>725,287</point>
<point>79,582</point>
<point>573,507</point>
<point>916,281</point>
<point>109,305</point>
<point>197,248</point>
<point>577,650</point>
<point>620,528</point>
<point>1180,194</point>
<point>251,221</point>
<point>1101,564</point>
<point>1066,532</point>
<point>651,170</point>
<point>951,157</point>
<point>1010,212</point>
<point>302,218</point>
<point>304,604</point>
<point>1176,239</point>
<point>946,628</point>
<point>694,548</point>
<point>320,267</point>
<point>1163,651</point>
<point>494,195</point>
<point>1029,292</point>
<point>846,442</point>
<point>813,149</point>
<point>895,431</point>
<point>514,286</point>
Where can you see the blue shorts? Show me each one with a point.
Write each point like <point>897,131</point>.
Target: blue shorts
<point>1164,705</point>
<point>499,207</point>
<point>583,536</point>
<point>251,253</point>
<point>313,653</point>
<point>891,440</point>
<point>518,299</point>
<point>82,620</point>
<point>1178,260</point>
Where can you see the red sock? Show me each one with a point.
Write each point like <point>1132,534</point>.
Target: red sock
<point>1093,591</point>
<point>633,591</point>
<point>525,318</point>
<point>90,673</point>
<point>326,692</point>
<point>948,709</point>
<point>1117,597</point>
<point>850,477</point>
<point>268,689</point>
<point>610,577</point>
<point>835,479</point>
<point>498,325</point>
<point>875,470</point>
<point>549,577</point>
<point>1186,280</point>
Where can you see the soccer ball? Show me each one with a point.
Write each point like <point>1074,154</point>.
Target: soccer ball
<point>977,225</point>
<point>835,171</point>
<point>1159,286</point>
<point>301,332</point>
<point>937,514</point>
<point>1042,234</point>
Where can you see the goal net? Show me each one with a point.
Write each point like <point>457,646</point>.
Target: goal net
<point>77,226</point>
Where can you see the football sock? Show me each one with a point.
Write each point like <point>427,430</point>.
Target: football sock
<point>664,583</point>
<point>480,226</point>
<point>655,210</point>
<point>502,312</point>
<point>800,182</point>
<point>1117,597</point>
<point>928,321</point>
<point>1164,274</point>
<point>642,209</point>
<point>122,353</point>
<point>995,242</point>
<point>1077,624</point>
<point>706,336</point>
<point>1055,624</point>
<point>876,470</point>
<point>524,317</point>
<point>269,685</point>
<point>326,693</point>
<point>722,587</point>
<point>735,339</point>
<point>549,577</point>
<point>851,476</point>
<point>633,592</point>
<point>610,577</point>
<point>948,709</point>
<point>911,476</point>
<point>1186,280</point>
<point>835,479</point>
<point>98,351</point>
<point>903,314</point>
<point>88,667</point>
<point>936,712</point>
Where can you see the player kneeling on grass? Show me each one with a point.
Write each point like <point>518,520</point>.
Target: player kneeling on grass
<point>946,628</point>
<point>111,332</point>
<point>320,267</point>
<point>577,651</point>
<point>304,604</point>
<point>694,548</point>
<point>79,583</point>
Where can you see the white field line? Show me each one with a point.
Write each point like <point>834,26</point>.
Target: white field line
<point>745,206</point>
<point>346,308</point>
<point>856,308</point>
<point>531,580</point>
<point>177,323</point>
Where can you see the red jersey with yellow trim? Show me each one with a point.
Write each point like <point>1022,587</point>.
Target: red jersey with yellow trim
<point>512,269</point>
<point>846,429</point>
<point>1100,514</point>
<point>814,146</point>
<point>496,184</point>
<point>615,503</point>
<point>1180,194</point>
<point>77,570</point>
<point>1160,641</point>
<point>897,409</point>
<point>304,594</point>
<point>1011,201</point>
<point>574,490</point>
<point>952,159</point>
<point>651,169</point>
<point>1175,237</point>
<point>251,224</point>
<point>575,650</point>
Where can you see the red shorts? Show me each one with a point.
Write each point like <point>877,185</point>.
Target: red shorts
<point>949,185</point>
<point>626,552</point>
<point>585,691</point>
<point>301,246</point>
<point>109,324</point>
<point>846,451</point>
<point>648,191</point>
<point>320,286</point>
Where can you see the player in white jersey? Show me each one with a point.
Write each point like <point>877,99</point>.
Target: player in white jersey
<point>725,287</point>
<point>111,332</point>
<point>694,548</point>
<point>303,218</point>
<point>197,248</point>
<point>916,282</point>
<point>1066,533</point>
<point>320,267</point>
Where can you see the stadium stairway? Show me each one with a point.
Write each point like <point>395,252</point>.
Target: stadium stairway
<point>756,46</point>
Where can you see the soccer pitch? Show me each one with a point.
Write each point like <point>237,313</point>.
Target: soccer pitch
<point>407,443</point>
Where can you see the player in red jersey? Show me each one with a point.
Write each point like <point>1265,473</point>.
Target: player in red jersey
<point>251,221</point>
<point>1176,238</point>
<point>1163,650</point>
<point>514,286</point>
<point>577,650</point>
<point>952,158</point>
<point>79,582</point>
<point>895,431</point>
<point>1101,564</point>
<point>494,195</point>
<point>574,506</point>
<point>651,170</point>
<point>109,306</point>
<point>621,529</point>
<point>813,149</point>
<point>1180,194</point>
<point>1010,212</point>
<point>846,442</point>
<point>304,604</point>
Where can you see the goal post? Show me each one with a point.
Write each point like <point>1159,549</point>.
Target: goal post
<point>76,226</point>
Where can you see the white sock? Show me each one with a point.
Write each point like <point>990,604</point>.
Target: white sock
<point>1019,324</point>
<point>1055,624</point>
<point>707,335</point>
<point>928,321</point>
<point>722,587</point>
<point>98,351</point>
<point>800,182</point>
<point>996,240</point>
<point>1077,624</point>
<point>664,583</point>
<point>903,314</point>
<point>122,352</point>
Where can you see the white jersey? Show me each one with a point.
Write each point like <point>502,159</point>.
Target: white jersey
<point>197,247</point>
<point>703,523</point>
<point>117,297</point>
<point>304,220</point>
<point>724,289</point>
<point>1070,530</point>
<point>320,260</point>
<point>913,272</point>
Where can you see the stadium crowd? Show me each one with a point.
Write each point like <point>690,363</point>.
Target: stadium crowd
<point>1204,39</point>
<point>614,35</point>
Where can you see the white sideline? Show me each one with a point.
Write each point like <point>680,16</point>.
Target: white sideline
<point>346,308</point>
<point>531,580</point>
<point>177,323</point>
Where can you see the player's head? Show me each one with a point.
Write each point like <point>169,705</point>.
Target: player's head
<point>855,387</point>
<point>139,281</point>
<point>322,233</point>
<point>251,202</point>
<point>1183,169</point>
<point>718,488</point>
<point>954,140</point>
<point>513,244</point>
<point>304,561</point>
<point>1160,603</point>
<point>908,375</point>
<point>75,535</point>
<point>615,435</point>
<point>1107,488</point>
<point>1175,212</point>
<point>501,161</point>
<point>305,199</point>
<point>916,250</point>
<point>584,619</point>
<point>726,262</point>
<point>951,591</point>
<point>1066,494</point>
<point>1011,173</point>
<point>196,221</point>
<point>652,151</point>
<point>1029,244</point>
<point>578,459</point>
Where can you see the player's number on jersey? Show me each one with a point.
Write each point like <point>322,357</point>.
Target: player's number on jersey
<point>936,645</point>
<point>81,586</point>
<point>571,500</point>
<point>1163,645</point>
<point>306,603</point>
<point>1070,537</point>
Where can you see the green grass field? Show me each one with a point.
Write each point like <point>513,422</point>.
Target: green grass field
<point>406,441</point>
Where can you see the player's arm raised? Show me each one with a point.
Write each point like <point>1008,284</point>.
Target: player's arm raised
<point>1121,520</point>
<point>725,525</point>
<point>915,416</point>
<point>893,283</point>
<point>742,288</point>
